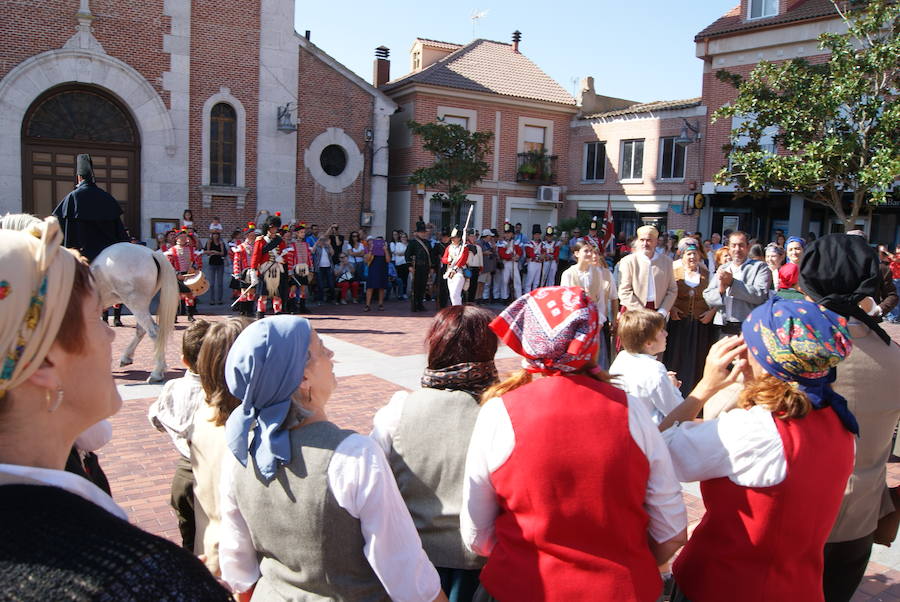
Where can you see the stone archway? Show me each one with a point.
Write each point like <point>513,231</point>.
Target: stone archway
<point>161,167</point>
<point>72,119</point>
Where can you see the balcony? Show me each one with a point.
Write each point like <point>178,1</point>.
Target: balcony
<point>536,167</point>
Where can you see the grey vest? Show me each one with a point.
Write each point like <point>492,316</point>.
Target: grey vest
<point>309,548</point>
<point>428,460</point>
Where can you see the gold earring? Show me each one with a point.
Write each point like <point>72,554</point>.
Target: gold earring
<point>52,406</point>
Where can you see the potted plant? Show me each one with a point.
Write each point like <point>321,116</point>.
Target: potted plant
<point>527,171</point>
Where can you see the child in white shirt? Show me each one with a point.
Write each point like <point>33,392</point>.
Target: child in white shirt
<point>173,413</point>
<point>636,369</point>
<point>215,225</point>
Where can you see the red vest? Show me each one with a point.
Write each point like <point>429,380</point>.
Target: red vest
<point>572,524</point>
<point>766,543</point>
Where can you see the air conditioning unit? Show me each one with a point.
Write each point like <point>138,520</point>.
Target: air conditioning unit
<point>548,194</point>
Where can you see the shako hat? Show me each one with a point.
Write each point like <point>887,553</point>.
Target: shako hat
<point>535,229</point>
<point>594,221</point>
<point>508,227</point>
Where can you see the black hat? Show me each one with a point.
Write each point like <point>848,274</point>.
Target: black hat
<point>420,227</point>
<point>840,270</point>
<point>273,220</point>
<point>84,167</point>
<point>508,227</point>
<point>594,223</point>
<point>535,229</point>
<point>550,231</point>
<point>445,231</point>
<point>456,232</point>
<point>494,232</point>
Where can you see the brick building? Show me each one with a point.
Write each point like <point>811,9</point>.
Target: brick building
<point>219,107</point>
<point>483,86</point>
<point>645,159</point>
<point>771,30</point>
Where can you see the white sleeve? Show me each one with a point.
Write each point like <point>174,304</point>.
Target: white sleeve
<point>237,555</point>
<point>663,394</point>
<point>663,501</point>
<point>743,445</point>
<point>94,437</point>
<point>492,442</point>
<point>387,421</point>
<point>363,485</point>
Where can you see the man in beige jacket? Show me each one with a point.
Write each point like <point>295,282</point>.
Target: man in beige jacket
<point>647,280</point>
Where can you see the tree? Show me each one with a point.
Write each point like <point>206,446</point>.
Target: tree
<point>838,121</point>
<point>458,161</point>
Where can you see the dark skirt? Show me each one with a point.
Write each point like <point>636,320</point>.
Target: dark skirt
<point>686,350</point>
<point>377,277</point>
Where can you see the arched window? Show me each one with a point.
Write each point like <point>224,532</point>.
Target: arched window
<point>222,145</point>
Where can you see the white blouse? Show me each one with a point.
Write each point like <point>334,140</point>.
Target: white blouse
<point>493,440</point>
<point>647,379</point>
<point>362,483</point>
<point>743,445</point>
<point>398,251</point>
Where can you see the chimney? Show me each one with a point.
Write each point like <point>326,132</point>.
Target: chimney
<point>307,35</point>
<point>381,71</point>
<point>517,37</point>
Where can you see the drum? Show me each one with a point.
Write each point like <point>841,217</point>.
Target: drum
<point>197,283</point>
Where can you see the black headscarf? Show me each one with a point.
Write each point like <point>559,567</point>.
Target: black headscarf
<point>838,271</point>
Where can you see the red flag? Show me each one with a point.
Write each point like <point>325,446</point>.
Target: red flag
<point>609,229</point>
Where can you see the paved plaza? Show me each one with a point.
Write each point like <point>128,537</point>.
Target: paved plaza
<point>376,354</point>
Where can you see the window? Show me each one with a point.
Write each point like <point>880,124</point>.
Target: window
<point>222,149</point>
<point>595,161</point>
<point>632,160</point>
<point>416,60</point>
<point>534,138</point>
<point>671,161</point>
<point>463,122</point>
<point>333,160</point>
<point>766,140</point>
<point>763,8</point>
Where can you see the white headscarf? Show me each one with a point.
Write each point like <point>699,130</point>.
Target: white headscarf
<point>36,275</point>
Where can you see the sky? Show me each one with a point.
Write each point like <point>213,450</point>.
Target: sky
<point>641,50</point>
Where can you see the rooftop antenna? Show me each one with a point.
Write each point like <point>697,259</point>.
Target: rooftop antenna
<point>575,81</point>
<point>476,15</point>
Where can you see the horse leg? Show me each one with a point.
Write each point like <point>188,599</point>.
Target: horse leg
<point>128,354</point>
<point>146,324</point>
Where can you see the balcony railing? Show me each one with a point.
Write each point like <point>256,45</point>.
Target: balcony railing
<point>536,168</point>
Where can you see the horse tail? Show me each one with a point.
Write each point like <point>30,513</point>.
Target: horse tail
<point>168,300</point>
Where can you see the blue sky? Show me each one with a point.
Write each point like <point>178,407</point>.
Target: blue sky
<point>642,50</point>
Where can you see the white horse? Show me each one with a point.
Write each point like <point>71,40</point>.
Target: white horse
<point>133,274</point>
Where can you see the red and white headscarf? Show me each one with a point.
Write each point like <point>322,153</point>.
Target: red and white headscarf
<point>554,328</point>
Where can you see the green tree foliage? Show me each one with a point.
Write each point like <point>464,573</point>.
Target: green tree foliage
<point>838,122</point>
<point>458,161</point>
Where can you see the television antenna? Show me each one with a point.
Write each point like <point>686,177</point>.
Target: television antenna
<point>476,15</point>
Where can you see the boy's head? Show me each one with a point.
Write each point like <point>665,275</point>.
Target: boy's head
<point>643,331</point>
<point>191,343</point>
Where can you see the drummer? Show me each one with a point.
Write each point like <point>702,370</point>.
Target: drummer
<point>187,261</point>
<point>299,266</point>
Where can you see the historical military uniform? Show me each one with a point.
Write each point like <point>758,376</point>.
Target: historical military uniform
<point>551,252</point>
<point>534,260</point>
<point>419,257</point>
<point>267,267</point>
<point>240,268</point>
<point>437,253</point>
<point>299,259</point>
<point>454,259</point>
<point>186,260</point>
<point>509,252</point>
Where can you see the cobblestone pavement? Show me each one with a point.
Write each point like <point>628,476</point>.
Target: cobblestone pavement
<point>376,354</point>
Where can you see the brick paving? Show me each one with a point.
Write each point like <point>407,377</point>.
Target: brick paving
<point>139,461</point>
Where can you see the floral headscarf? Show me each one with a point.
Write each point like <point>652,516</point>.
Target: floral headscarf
<point>799,341</point>
<point>554,328</point>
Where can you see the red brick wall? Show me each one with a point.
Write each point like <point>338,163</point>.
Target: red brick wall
<point>224,52</point>
<point>129,31</point>
<point>329,99</point>
<point>406,160</point>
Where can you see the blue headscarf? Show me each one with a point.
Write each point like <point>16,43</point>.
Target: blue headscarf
<point>795,239</point>
<point>799,341</point>
<point>264,367</point>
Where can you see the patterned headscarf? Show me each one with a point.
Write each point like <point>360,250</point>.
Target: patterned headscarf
<point>36,275</point>
<point>554,328</point>
<point>263,369</point>
<point>799,341</point>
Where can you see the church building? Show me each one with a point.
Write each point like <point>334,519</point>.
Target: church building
<point>218,107</point>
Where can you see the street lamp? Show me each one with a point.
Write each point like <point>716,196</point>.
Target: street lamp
<point>684,138</point>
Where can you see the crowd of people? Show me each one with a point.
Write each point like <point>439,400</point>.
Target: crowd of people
<point>476,486</point>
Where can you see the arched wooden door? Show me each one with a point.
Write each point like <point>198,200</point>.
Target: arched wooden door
<point>65,122</point>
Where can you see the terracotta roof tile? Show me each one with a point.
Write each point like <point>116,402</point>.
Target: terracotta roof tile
<point>733,21</point>
<point>439,44</point>
<point>490,67</point>
<point>646,107</point>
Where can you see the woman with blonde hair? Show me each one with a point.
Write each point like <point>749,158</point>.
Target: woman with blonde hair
<point>208,444</point>
<point>772,471</point>
<point>64,537</point>
<point>560,513</point>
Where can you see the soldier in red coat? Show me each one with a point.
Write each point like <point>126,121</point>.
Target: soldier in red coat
<point>240,263</point>
<point>187,261</point>
<point>267,267</point>
<point>299,267</point>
